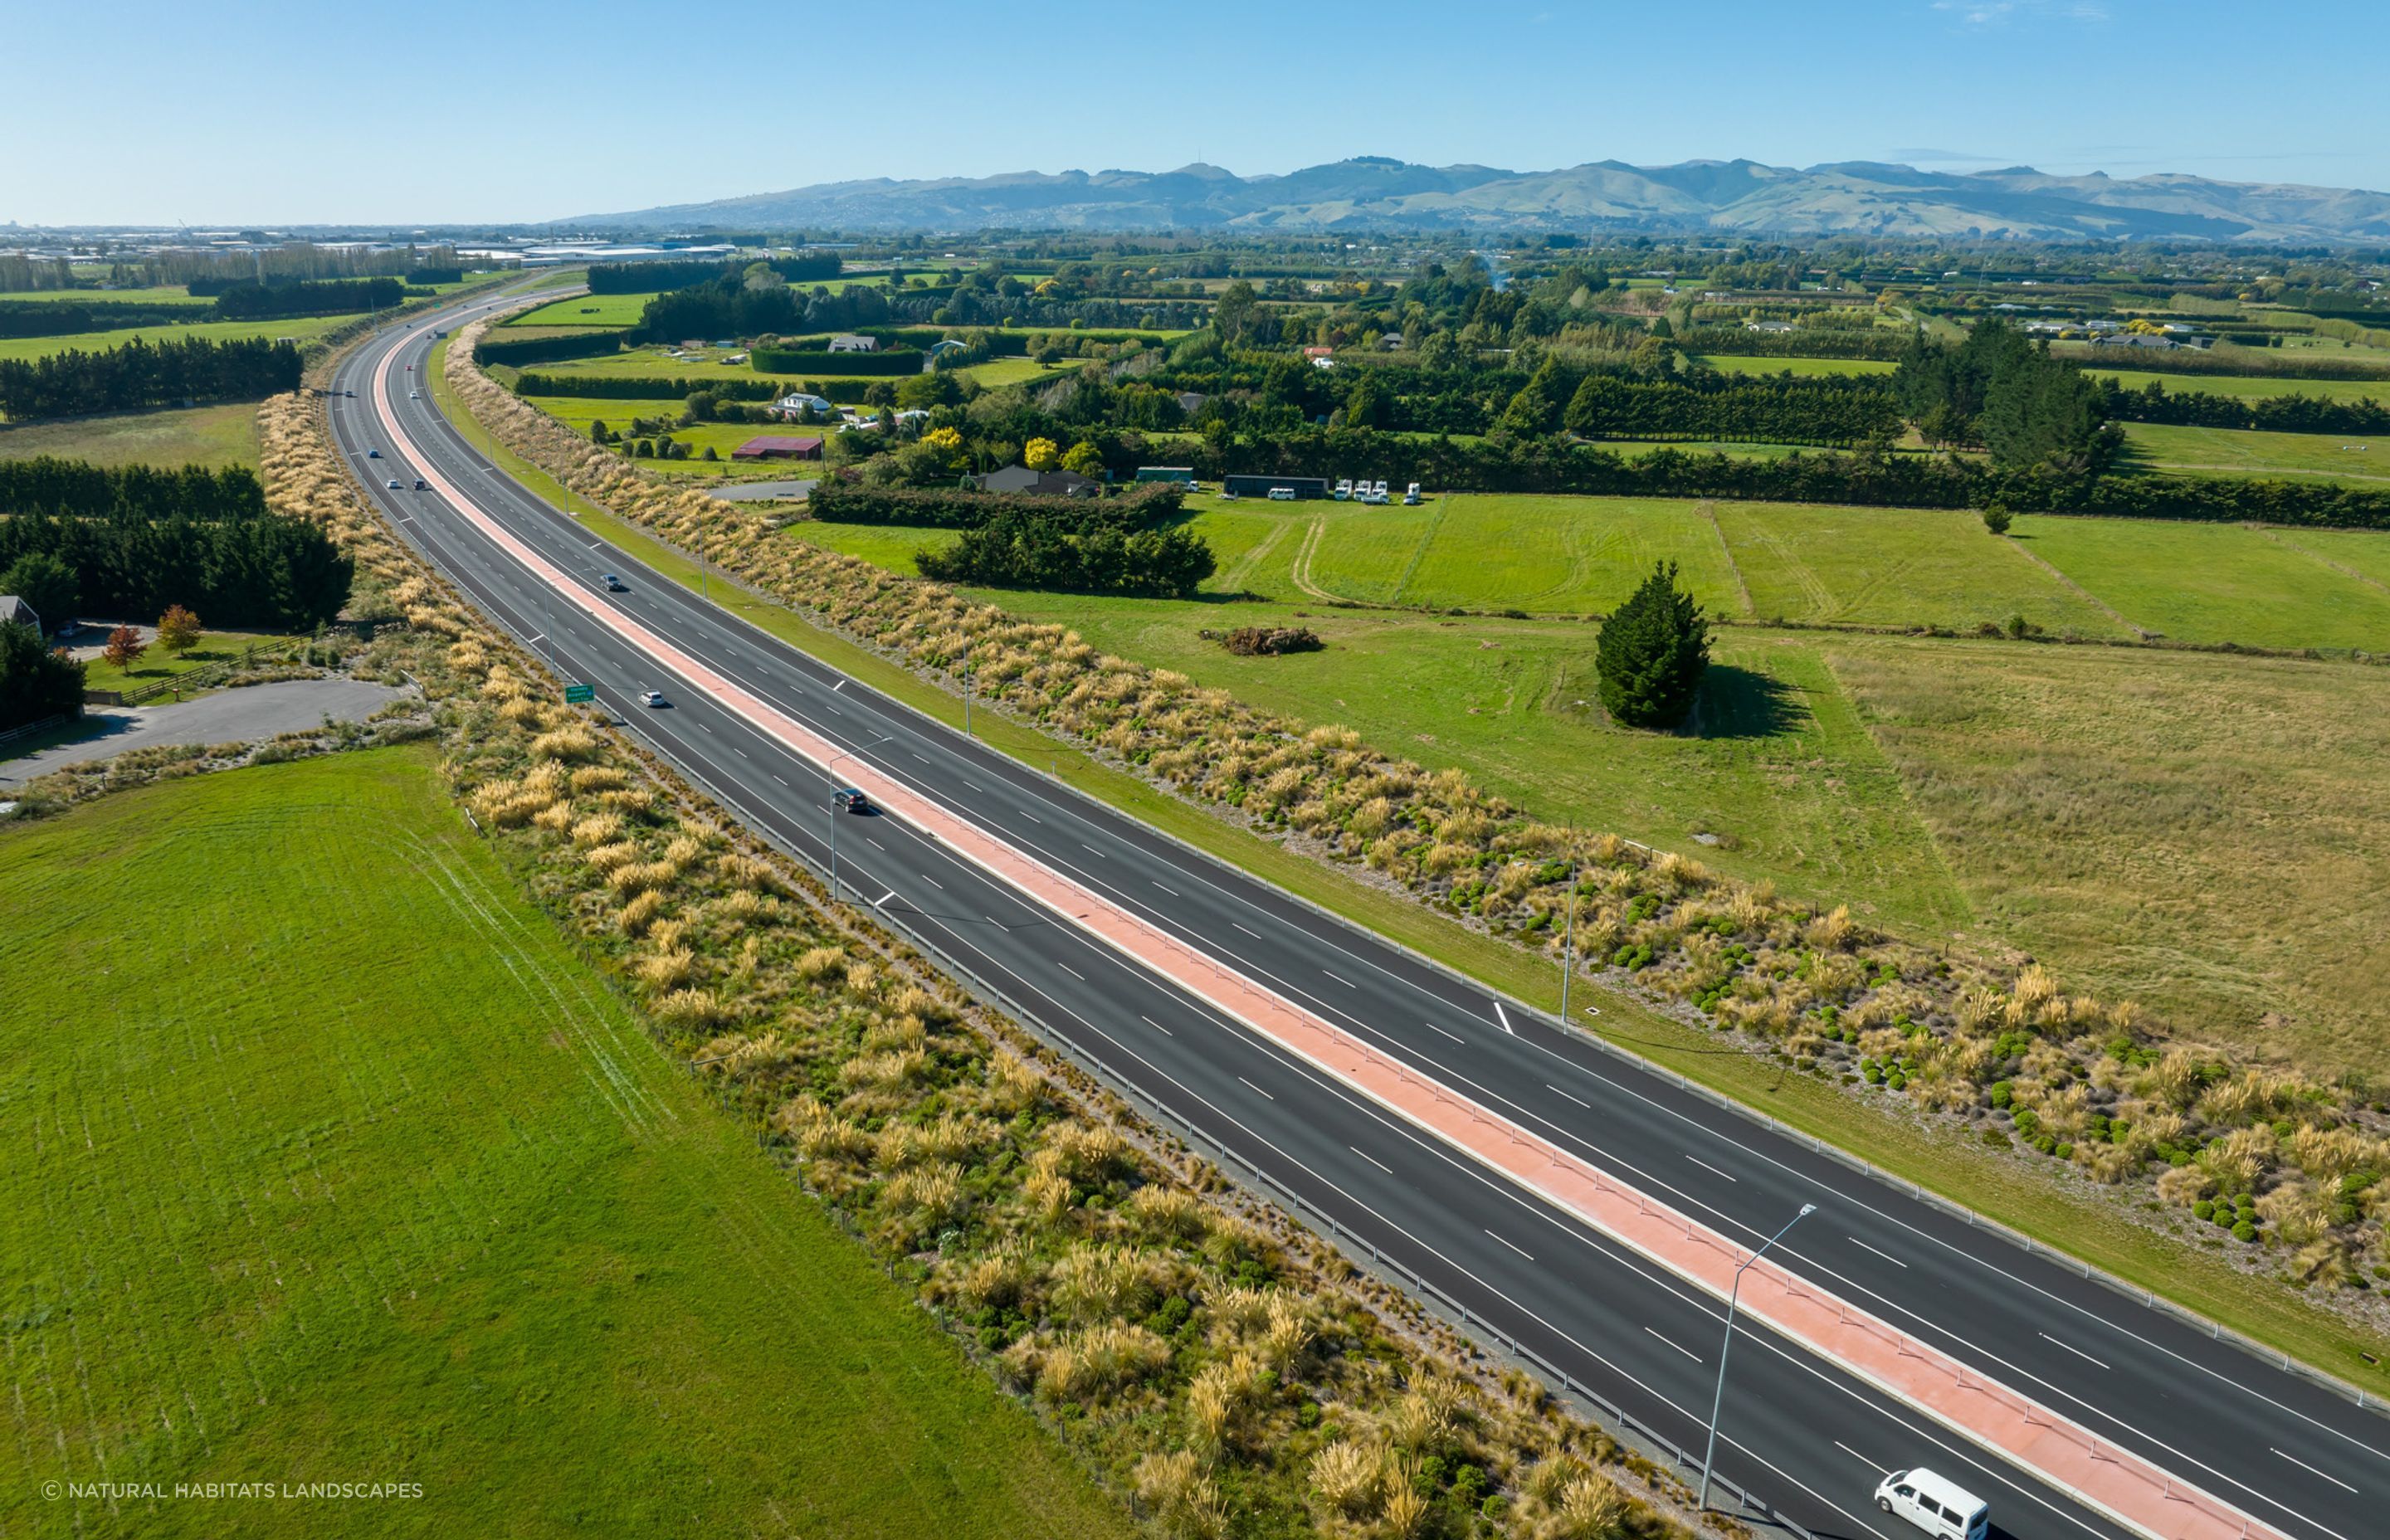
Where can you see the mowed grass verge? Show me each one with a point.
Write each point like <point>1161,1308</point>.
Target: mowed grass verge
<point>2247,452</point>
<point>331,1161</point>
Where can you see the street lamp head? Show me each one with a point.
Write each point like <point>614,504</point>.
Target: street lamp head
<point>1807,1209</point>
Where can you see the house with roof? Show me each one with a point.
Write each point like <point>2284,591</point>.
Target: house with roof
<point>1191,402</point>
<point>797,403</point>
<point>775,446</point>
<point>848,341</point>
<point>1039,483</point>
<point>16,611</point>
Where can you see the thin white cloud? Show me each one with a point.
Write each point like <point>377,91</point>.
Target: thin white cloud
<point>1996,13</point>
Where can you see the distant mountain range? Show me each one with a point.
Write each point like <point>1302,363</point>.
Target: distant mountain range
<point>1727,197</point>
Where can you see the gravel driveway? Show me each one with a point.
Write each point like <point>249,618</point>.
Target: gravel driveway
<point>227,716</point>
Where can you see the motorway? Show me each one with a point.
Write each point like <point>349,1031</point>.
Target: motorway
<point>1799,1432</point>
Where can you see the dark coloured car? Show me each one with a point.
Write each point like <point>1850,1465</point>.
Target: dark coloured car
<point>851,800</point>
<point>615,584</point>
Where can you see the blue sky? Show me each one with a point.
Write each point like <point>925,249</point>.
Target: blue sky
<point>277,111</point>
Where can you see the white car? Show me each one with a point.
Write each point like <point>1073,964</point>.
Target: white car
<point>1935,1504</point>
<point>392,484</point>
<point>651,698</point>
<point>414,395</point>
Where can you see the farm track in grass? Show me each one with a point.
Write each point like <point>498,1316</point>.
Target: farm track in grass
<point>334,1162</point>
<point>2219,582</point>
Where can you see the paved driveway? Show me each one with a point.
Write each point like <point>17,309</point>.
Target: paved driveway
<point>227,716</point>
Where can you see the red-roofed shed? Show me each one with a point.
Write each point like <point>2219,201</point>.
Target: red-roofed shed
<point>776,446</point>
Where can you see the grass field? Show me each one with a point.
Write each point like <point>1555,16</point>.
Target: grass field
<point>304,328</point>
<point>444,1218</point>
<point>2198,832</point>
<point>652,363</point>
<point>585,310</point>
<point>1894,566</point>
<point>2249,385</point>
<point>1495,551</point>
<point>160,294</point>
<point>2216,582</point>
<point>218,435</point>
<point>2243,452</point>
<point>157,663</point>
<point>1729,363</point>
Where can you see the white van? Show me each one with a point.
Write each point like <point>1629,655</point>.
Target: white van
<point>1935,1504</point>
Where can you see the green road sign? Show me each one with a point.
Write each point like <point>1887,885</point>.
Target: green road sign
<point>575,695</point>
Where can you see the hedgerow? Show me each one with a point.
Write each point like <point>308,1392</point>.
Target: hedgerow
<point>2110,1091</point>
<point>1222,1370</point>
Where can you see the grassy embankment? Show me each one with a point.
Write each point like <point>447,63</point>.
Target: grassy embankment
<point>1789,780</point>
<point>222,434</point>
<point>335,1164</point>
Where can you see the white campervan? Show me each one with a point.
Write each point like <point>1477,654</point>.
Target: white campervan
<point>1935,1504</point>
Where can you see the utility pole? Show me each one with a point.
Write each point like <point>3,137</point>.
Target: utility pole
<point>1734,1297</point>
<point>967,699</point>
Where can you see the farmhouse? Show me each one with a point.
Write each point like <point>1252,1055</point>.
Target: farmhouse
<point>773,447</point>
<point>853,342</point>
<point>1040,483</point>
<point>16,611</point>
<point>796,403</point>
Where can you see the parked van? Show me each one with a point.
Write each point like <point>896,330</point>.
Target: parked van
<point>1935,1504</point>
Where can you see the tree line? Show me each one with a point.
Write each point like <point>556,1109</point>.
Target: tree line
<point>64,488</point>
<point>36,682</point>
<point>2001,389</point>
<point>1074,545</point>
<point>68,317</point>
<point>649,278</point>
<point>268,572</point>
<point>950,508</point>
<point>256,302</point>
<point>2289,413</point>
<point>141,372</point>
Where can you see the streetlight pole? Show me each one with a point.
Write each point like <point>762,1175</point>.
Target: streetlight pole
<point>967,695</point>
<point>1734,1297</point>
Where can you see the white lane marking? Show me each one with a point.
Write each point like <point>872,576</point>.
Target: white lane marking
<point>1373,1161</point>
<point>1346,982</point>
<point>1242,1079</point>
<point>973,783</point>
<point>1521,1249</point>
<point>1711,1169</point>
<point>538,639</point>
<point>1091,850</point>
<point>1071,971</point>
<point>1565,1097</point>
<point>2085,1356</point>
<point>1157,1026</point>
<point>2309,1469</point>
<point>1886,1255</point>
<point>776,776</point>
<point>1033,818</point>
<point>1649,1332</point>
<point>1503,1016</point>
<point>883,898</point>
<point>918,760</point>
<point>1455,1037</point>
<point>933,882</point>
<point>874,843</point>
<point>1857,1456</point>
<point>839,686</point>
<point>1167,889</point>
<point>1255,934</point>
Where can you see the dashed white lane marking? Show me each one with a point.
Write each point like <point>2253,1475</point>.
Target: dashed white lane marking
<point>1713,1169</point>
<point>1346,982</point>
<point>2309,1469</point>
<point>1521,1249</point>
<point>1255,934</point>
<point>1853,1454</point>
<point>1071,971</point>
<point>1565,1097</point>
<point>2086,1357</point>
<point>1694,1356</point>
<point>1454,1035</point>
<point>1157,1026</point>
<point>1504,1017</point>
<point>1886,1255</point>
<point>1373,1161</point>
<point>1249,1084</point>
<point>1166,888</point>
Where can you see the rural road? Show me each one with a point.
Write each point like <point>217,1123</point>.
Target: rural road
<point>754,721</point>
<point>227,716</point>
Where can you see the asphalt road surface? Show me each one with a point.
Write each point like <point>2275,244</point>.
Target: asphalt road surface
<point>1805,1437</point>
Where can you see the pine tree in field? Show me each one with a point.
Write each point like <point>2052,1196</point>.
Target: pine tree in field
<point>1652,652</point>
